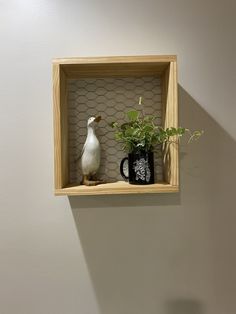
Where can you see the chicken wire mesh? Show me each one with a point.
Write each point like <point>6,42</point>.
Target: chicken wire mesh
<point>111,98</point>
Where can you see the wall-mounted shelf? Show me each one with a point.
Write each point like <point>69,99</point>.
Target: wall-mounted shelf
<point>110,85</point>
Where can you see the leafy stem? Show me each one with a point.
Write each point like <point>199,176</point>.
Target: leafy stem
<point>140,132</point>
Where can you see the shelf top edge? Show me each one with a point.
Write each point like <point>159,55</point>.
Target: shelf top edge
<point>116,59</point>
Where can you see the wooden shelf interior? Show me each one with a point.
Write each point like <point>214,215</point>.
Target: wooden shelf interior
<point>64,70</point>
<point>119,187</point>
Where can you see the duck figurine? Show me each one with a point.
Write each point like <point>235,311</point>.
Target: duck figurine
<point>90,156</point>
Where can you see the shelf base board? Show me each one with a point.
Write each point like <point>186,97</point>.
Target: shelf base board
<point>119,187</point>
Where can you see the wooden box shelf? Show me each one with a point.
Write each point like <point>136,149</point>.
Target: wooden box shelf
<point>161,69</point>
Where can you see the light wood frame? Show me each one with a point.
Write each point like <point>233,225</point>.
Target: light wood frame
<point>67,68</point>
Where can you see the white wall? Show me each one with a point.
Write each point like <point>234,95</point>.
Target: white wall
<point>170,254</point>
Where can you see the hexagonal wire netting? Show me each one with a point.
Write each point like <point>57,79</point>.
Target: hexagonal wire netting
<point>111,98</point>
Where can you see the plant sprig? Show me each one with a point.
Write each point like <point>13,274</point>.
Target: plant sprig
<point>140,133</point>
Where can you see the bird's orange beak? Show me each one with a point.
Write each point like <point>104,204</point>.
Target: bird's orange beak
<point>98,118</point>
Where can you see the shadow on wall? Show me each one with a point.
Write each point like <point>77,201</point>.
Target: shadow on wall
<point>144,251</point>
<point>184,307</point>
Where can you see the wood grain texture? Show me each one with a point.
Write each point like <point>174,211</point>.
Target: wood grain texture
<point>61,171</point>
<point>132,66</point>
<point>119,187</point>
<point>115,66</point>
<point>116,59</point>
<point>165,122</point>
<point>57,127</point>
<point>171,151</point>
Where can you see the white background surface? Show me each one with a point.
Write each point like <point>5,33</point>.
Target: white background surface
<point>165,254</point>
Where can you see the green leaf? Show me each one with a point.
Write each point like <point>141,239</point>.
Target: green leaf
<point>133,115</point>
<point>181,131</point>
<point>128,132</point>
<point>126,125</point>
<point>140,132</point>
<point>148,128</point>
<point>149,118</point>
<point>113,124</point>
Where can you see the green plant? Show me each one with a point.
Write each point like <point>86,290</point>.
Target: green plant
<point>140,132</point>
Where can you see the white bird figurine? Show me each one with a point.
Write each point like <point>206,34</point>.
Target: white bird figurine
<point>90,156</point>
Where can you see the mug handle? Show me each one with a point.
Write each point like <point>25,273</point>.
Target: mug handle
<point>122,168</point>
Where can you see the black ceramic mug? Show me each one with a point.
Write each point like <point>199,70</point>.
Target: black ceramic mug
<point>138,168</point>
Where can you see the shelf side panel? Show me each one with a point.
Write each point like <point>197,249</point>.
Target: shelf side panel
<point>60,128</point>
<point>171,151</point>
